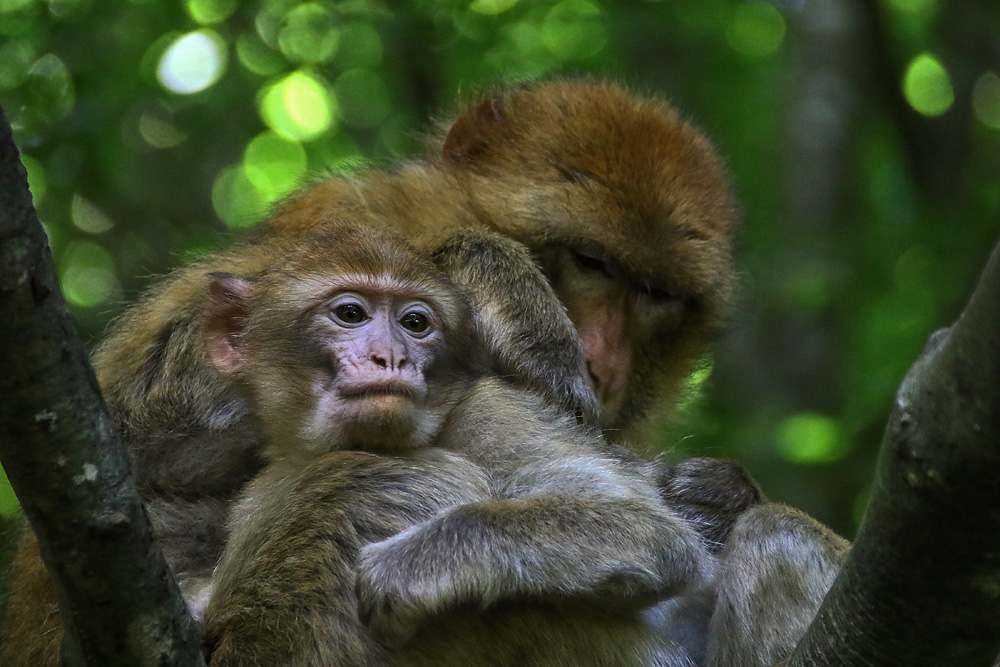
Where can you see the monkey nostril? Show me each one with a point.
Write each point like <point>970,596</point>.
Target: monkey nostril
<point>379,361</point>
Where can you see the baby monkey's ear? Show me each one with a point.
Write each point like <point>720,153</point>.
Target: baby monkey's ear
<point>225,320</point>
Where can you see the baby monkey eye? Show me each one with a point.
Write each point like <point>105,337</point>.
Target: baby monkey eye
<point>415,322</point>
<point>350,313</point>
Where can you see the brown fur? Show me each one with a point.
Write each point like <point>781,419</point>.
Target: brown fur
<point>577,164</point>
<point>537,512</point>
<point>563,166</point>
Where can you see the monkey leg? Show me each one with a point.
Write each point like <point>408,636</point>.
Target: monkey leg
<point>774,571</point>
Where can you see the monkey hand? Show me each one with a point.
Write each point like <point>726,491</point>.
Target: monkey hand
<point>528,332</point>
<point>396,592</point>
<point>710,494</point>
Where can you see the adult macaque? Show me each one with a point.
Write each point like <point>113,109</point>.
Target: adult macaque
<point>482,495</point>
<point>626,207</point>
<point>628,211</point>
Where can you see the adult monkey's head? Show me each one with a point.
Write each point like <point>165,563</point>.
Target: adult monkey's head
<point>627,208</point>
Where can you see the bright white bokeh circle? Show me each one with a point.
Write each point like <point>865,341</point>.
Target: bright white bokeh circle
<point>192,63</point>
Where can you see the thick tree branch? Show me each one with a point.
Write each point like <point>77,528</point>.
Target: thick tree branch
<point>922,583</point>
<point>118,600</point>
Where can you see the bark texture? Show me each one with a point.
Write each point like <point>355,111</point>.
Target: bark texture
<point>922,583</point>
<point>117,597</point>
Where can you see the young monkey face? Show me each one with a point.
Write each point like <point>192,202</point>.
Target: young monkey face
<point>352,345</point>
<point>373,392</point>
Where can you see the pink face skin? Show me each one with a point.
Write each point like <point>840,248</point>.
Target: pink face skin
<point>344,370</point>
<point>612,314</point>
<point>381,345</point>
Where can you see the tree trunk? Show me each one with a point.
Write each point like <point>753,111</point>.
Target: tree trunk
<point>117,598</point>
<point>922,583</point>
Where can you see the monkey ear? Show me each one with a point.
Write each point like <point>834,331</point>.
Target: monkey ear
<point>225,320</point>
<point>472,132</point>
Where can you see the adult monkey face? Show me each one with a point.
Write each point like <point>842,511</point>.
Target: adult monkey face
<point>628,210</point>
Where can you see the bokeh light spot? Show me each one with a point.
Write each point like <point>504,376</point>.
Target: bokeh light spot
<point>257,56</point>
<point>308,35</point>
<point>491,7</point>
<point>208,12</point>
<point>16,57</point>
<point>298,107</point>
<point>927,87</point>
<point>273,165</point>
<point>573,30</point>
<point>88,217</point>
<point>49,88</point>
<point>88,275</point>
<point>235,199</point>
<point>192,63</point>
<point>159,133</point>
<point>360,46</point>
<point>362,98</point>
<point>693,384</point>
<point>986,100</point>
<point>755,29</point>
<point>810,437</point>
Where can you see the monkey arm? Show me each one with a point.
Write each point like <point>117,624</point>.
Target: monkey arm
<point>564,522</point>
<point>284,591</point>
<point>529,336</point>
<point>617,552</point>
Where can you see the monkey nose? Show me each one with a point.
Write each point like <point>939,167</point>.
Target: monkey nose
<point>388,360</point>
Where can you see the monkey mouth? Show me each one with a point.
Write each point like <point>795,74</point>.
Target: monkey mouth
<point>376,389</point>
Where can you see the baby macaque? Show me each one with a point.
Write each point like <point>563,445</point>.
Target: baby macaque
<point>396,461</point>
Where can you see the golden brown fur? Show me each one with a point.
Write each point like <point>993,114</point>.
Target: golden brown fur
<point>533,513</point>
<point>626,208</point>
<point>576,165</point>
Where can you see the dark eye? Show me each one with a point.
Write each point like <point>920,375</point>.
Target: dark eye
<point>415,322</point>
<point>661,296</point>
<point>350,313</point>
<point>590,263</point>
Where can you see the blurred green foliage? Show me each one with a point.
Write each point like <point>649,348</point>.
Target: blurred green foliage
<point>863,138</point>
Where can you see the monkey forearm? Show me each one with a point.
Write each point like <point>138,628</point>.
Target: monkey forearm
<point>619,551</point>
<point>517,313</point>
<point>284,592</point>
